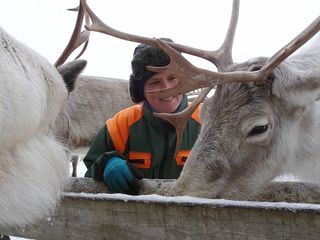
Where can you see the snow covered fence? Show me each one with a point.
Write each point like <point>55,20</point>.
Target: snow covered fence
<point>286,210</point>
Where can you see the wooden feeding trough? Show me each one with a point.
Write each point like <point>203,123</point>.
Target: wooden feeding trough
<point>286,210</point>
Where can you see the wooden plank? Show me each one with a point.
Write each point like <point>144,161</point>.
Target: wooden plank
<point>84,215</point>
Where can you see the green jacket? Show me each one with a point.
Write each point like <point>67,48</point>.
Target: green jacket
<point>144,140</point>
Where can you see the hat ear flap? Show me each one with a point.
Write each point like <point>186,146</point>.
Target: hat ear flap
<point>134,90</point>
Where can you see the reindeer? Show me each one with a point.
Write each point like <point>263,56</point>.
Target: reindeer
<point>33,163</point>
<point>86,109</point>
<point>263,119</point>
<point>93,100</point>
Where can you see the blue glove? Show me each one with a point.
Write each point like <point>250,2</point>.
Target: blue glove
<point>121,177</point>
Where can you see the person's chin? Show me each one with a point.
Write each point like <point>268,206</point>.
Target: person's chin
<point>169,108</point>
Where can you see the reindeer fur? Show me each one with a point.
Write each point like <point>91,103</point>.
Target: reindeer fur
<point>89,105</point>
<point>33,164</point>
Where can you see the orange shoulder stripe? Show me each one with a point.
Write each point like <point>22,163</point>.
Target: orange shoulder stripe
<point>118,126</point>
<point>196,114</point>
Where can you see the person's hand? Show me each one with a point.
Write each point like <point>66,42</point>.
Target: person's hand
<point>121,177</point>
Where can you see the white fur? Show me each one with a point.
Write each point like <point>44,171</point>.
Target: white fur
<point>33,165</point>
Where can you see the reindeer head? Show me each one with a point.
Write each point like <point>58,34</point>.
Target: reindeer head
<point>240,145</point>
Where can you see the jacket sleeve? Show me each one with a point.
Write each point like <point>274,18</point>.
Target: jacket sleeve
<point>100,151</point>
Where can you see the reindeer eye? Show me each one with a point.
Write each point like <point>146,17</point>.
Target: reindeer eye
<point>255,68</point>
<point>258,130</point>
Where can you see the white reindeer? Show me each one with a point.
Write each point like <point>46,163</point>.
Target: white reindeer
<point>33,164</point>
<point>253,133</point>
<point>262,121</point>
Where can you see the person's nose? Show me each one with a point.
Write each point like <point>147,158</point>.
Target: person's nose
<point>167,84</point>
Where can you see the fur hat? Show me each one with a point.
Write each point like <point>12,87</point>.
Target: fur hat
<point>145,55</point>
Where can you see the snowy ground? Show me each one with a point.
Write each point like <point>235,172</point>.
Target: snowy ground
<point>16,238</point>
<point>81,168</point>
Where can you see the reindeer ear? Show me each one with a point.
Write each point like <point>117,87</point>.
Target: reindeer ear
<point>297,79</point>
<point>298,87</point>
<point>70,71</point>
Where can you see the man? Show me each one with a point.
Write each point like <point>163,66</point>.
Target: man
<point>134,143</point>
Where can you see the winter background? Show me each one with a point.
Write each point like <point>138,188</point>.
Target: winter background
<point>263,28</point>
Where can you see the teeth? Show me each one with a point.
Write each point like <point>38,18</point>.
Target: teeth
<point>166,99</point>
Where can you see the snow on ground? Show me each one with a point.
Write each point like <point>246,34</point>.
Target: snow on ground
<point>81,167</point>
<point>18,238</point>
<point>188,200</point>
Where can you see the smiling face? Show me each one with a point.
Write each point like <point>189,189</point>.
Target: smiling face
<point>161,81</point>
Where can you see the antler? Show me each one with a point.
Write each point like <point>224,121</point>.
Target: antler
<point>193,77</point>
<point>179,120</point>
<point>77,37</point>
<point>221,57</point>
